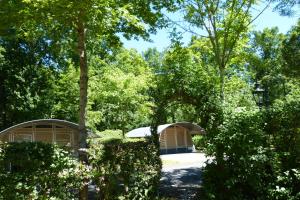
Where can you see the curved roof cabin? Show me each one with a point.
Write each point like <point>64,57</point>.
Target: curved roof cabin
<point>173,138</point>
<point>44,130</point>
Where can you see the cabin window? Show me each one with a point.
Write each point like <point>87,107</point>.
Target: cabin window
<point>42,136</point>
<point>44,126</point>
<point>22,138</point>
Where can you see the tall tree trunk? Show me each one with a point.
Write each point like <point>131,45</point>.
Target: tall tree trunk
<point>158,117</point>
<point>222,84</point>
<point>83,98</point>
<point>3,100</point>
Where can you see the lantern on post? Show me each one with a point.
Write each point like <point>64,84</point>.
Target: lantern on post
<point>259,95</point>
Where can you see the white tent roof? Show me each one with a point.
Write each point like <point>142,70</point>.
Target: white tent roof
<point>46,121</point>
<point>146,131</point>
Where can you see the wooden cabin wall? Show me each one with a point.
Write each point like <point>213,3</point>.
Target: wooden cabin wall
<point>170,136</point>
<point>58,134</point>
<point>168,139</point>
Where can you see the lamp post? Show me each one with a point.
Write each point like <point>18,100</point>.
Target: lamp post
<point>259,95</point>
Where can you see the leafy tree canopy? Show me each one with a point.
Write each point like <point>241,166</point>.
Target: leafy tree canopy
<point>291,51</point>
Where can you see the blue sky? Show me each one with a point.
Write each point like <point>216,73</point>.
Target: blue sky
<point>267,19</point>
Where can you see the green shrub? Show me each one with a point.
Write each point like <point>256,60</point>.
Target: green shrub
<point>110,134</point>
<point>242,166</point>
<point>256,155</point>
<point>198,141</point>
<point>286,186</point>
<point>38,171</point>
<point>125,169</point>
<point>283,126</point>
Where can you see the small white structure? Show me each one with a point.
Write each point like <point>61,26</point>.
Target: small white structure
<point>173,138</point>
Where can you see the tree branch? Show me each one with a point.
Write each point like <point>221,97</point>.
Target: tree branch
<point>261,12</point>
<point>186,29</point>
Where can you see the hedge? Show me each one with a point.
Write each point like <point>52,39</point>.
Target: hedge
<point>125,169</point>
<point>256,155</point>
<point>121,169</point>
<point>38,171</point>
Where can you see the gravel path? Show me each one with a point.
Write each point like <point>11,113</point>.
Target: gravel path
<point>181,175</point>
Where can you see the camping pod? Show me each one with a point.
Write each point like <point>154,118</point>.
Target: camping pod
<point>173,138</point>
<point>53,131</point>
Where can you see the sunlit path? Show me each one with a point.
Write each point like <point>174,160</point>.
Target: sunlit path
<point>181,175</point>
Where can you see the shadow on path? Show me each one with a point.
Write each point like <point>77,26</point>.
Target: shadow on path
<point>180,183</point>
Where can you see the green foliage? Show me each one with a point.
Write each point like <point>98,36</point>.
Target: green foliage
<point>39,171</point>
<point>118,92</point>
<point>287,186</point>
<point>238,94</point>
<point>110,134</point>
<point>291,51</point>
<point>104,21</point>
<point>226,24</point>
<point>256,154</point>
<point>125,169</point>
<point>266,55</point>
<point>284,127</point>
<point>286,7</point>
<point>25,81</point>
<point>199,141</point>
<point>265,62</point>
<point>66,99</point>
<point>185,88</point>
<point>240,149</point>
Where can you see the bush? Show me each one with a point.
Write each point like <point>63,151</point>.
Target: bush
<point>256,155</point>
<point>284,130</point>
<point>242,166</point>
<point>286,186</point>
<point>198,141</point>
<point>125,169</point>
<point>110,134</point>
<point>38,171</point>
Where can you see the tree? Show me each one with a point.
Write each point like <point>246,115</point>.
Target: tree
<point>265,46</point>
<point>80,22</point>
<point>26,81</point>
<point>66,95</point>
<point>184,87</point>
<point>118,96</point>
<point>285,7</point>
<point>265,62</point>
<point>291,52</point>
<point>226,24</point>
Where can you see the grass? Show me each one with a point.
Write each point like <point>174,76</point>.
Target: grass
<point>170,162</point>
